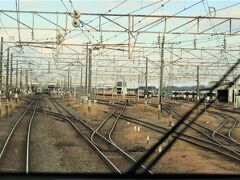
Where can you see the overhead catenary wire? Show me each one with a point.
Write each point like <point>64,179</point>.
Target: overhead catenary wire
<point>104,52</point>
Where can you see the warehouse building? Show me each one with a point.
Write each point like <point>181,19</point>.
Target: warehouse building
<point>227,92</point>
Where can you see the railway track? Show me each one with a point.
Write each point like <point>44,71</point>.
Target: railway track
<point>208,134</point>
<point>112,155</point>
<point>224,137</point>
<point>15,153</point>
<point>200,142</point>
<point>226,128</point>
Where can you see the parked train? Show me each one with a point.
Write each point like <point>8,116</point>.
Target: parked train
<point>38,90</point>
<point>192,95</point>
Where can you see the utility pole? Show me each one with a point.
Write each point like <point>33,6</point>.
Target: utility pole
<point>86,73</point>
<point>146,83</point>
<point>26,80</point>
<point>138,87</point>
<point>171,73</point>
<point>198,92</point>
<point>160,94</point>
<point>11,71</point>
<point>81,81</point>
<point>1,60</point>
<point>17,75</point>
<point>68,79</point>
<point>21,73</point>
<point>48,66</point>
<point>64,82</point>
<point>90,80</point>
<point>58,82</point>
<point>7,76</point>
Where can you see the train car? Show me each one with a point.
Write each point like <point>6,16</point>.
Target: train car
<point>38,90</point>
<point>183,95</point>
<point>209,96</point>
<point>46,91</point>
<point>141,93</point>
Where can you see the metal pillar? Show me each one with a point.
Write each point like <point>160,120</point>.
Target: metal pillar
<point>26,81</point>
<point>48,66</point>
<point>146,83</point>
<point>16,75</point>
<point>11,72</point>
<point>160,93</point>
<point>138,87</point>
<point>90,80</point>
<point>161,80</point>
<point>1,60</point>
<point>70,88</point>
<point>64,82</point>
<point>81,81</point>
<point>20,85</point>
<point>68,79</point>
<point>198,92</point>
<point>7,76</point>
<point>86,73</point>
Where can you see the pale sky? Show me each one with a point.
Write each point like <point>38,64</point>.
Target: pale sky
<point>107,63</point>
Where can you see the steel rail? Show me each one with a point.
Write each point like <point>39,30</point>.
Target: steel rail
<point>105,158</point>
<point>217,143</point>
<point>102,137</point>
<point>161,130</point>
<point>206,135</point>
<point>183,137</point>
<point>224,116</point>
<point>201,126</point>
<point>14,127</point>
<point>28,137</point>
<point>111,132</point>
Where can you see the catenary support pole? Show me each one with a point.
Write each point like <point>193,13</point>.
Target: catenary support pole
<point>11,72</point>
<point>7,76</point>
<point>160,93</point>
<point>16,85</point>
<point>1,62</point>
<point>21,74</point>
<point>146,84</point>
<point>198,91</point>
<point>90,80</point>
<point>86,72</point>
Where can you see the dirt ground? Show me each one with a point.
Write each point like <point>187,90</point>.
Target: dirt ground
<point>183,157</point>
<point>6,124</point>
<point>57,148</point>
<point>94,117</point>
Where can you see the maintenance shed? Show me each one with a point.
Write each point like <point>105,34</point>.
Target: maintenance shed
<point>227,92</point>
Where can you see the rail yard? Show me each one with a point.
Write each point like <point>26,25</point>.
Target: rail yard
<point>120,87</point>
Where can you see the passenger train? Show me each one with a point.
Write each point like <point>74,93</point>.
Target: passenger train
<point>192,95</point>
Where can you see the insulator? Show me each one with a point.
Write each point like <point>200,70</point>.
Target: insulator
<point>76,23</point>
<point>195,43</point>
<point>58,41</point>
<point>224,44</point>
<point>59,36</point>
<point>76,14</point>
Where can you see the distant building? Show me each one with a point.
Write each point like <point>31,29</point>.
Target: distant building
<point>227,91</point>
<point>121,87</point>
